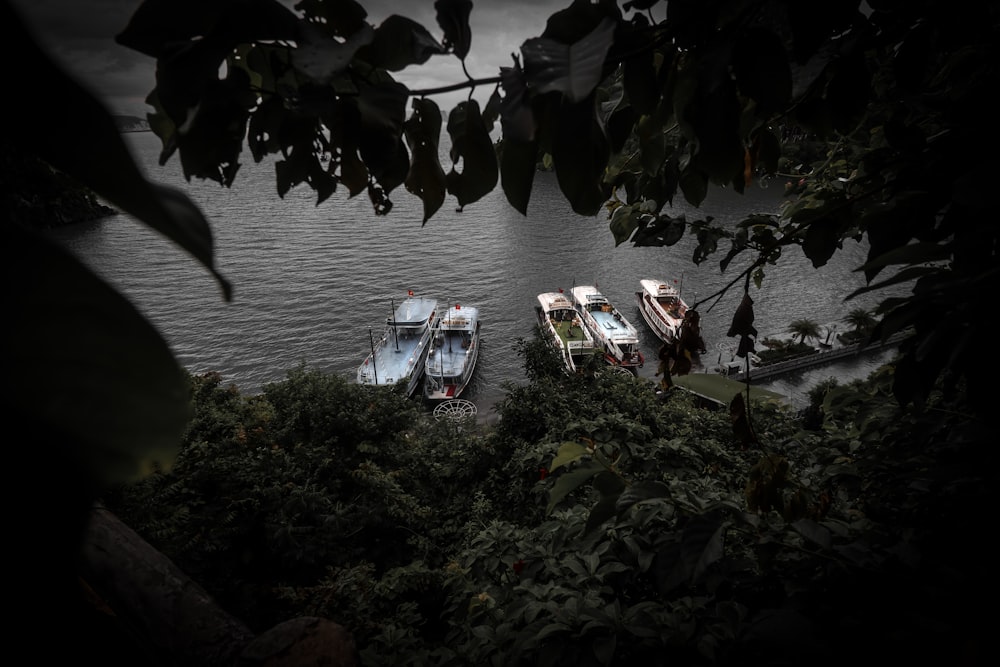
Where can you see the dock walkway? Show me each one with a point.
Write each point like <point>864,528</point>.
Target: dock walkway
<point>771,371</point>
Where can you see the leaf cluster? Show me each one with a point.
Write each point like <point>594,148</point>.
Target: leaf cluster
<point>624,526</point>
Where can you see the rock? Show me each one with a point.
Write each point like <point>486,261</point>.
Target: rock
<point>300,642</point>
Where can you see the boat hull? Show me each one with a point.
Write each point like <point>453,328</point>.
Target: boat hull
<point>451,360</point>
<point>662,308</point>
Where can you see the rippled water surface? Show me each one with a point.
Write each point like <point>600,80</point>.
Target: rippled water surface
<point>309,281</point>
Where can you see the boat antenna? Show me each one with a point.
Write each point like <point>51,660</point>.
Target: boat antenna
<point>395,333</point>
<point>374,365</point>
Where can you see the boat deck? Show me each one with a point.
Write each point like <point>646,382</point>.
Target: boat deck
<point>613,326</point>
<point>570,333</point>
<point>393,363</point>
<point>451,352</point>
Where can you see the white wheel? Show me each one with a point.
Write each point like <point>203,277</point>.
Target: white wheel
<point>456,408</point>
<point>620,370</point>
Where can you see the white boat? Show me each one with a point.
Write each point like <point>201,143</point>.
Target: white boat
<point>662,307</point>
<point>453,353</point>
<point>610,329</point>
<point>398,356</point>
<point>561,325</point>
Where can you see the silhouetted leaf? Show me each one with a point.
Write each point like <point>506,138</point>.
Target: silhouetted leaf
<point>580,153</point>
<point>761,69</point>
<point>320,57</point>
<point>661,230</point>
<point>573,70</point>
<point>453,18</point>
<point>157,26</point>
<point>426,177</point>
<point>639,76</point>
<point>821,240</point>
<point>341,18</point>
<point>88,365</point>
<point>398,43</point>
<point>742,324</point>
<point>471,143</point>
<point>517,172</point>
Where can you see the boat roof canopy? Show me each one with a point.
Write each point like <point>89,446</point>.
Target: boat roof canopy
<point>413,311</point>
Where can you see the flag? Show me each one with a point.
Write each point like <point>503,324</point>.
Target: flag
<point>560,290</point>
<point>409,292</point>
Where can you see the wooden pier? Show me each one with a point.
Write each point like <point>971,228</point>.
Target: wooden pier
<point>771,371</point>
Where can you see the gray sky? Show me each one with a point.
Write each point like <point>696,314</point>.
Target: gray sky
<point>80,34</point>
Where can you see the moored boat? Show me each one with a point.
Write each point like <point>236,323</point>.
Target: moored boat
<point>453,353</point>
<point>561,325</point>
<point>611,330</point>
<point>398,356</point>
<point>662,307</point>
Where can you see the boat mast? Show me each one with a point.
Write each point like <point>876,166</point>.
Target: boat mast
<point>395,333</point>
<point>374,365</point>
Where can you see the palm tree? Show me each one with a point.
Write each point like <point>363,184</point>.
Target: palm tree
<point>861,320</point>
<point>804,329</point>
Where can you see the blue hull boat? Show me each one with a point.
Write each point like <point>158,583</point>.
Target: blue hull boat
<point>398,356</point>
<point>453,354</point>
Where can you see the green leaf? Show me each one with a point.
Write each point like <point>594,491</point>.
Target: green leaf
<point>569,452</point>
<point>640,491</point>
<point>662,230</point>
<point>570,481</point>
<point>813,532</point>
<point>573,70</point>
<point>624,222</point>
<point>599,513</point>
<point>85,365</point>
<point>701,546</point>
<point>609,483</point>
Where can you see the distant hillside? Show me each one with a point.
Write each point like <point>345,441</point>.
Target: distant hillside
<point>131,124</point>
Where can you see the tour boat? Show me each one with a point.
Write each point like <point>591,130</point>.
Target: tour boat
<point>662,307</point>
<point>398,356</point>
<point>453,353</point>
<point>610,329</point>
<point>561,325</point>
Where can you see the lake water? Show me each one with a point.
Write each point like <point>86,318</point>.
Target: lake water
<point>309,281</point>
